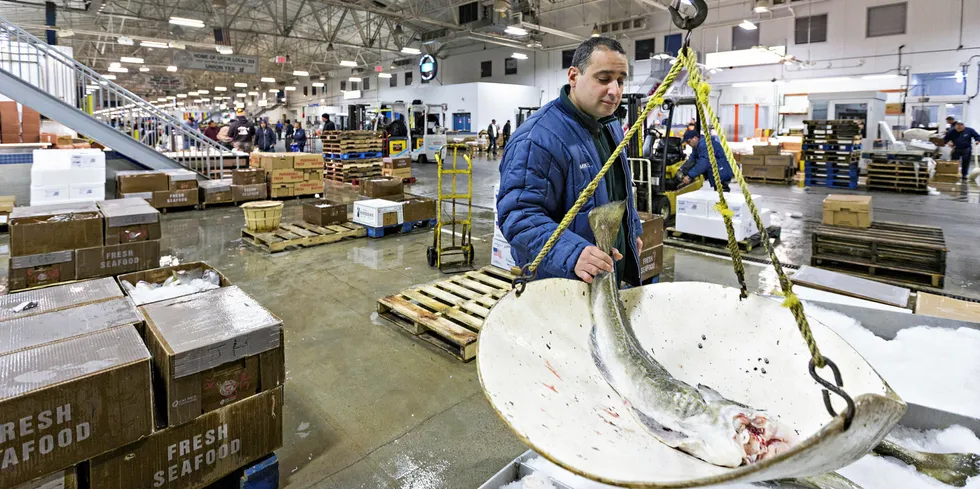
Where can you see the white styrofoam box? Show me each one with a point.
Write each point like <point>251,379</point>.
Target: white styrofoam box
<point>86,192</point>
<point>49,194</point>
<point>501,257</point>
<point>371,212</point>
<point>715,227</point>
<point>695,203</point>
<point>736,202</point>
<point>66,167</point>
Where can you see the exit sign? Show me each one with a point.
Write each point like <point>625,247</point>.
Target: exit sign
<point>378,69</point>
<point>280,60</point>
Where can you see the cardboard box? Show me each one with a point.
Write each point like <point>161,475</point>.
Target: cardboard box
<point>64,141</point>
<point>188,271</point>
<point>325,213</point>
<point>62,479</point>
<point>759,160</point>
<point>243,193</point>
<point>43,269</point>
<point>216,192</point>
<point>51,327</point>
<point>174,198</point>
<point>281,190</point>
<point>49,137</point>
<point>10,138</point>
<point>131,182</point>
<point>286,176</point>
<point>247,176</point>
<point>791,146</point>
<point>107,261</point>
<point>94,398</point>
<point>847,210</point>
<point>307,161</point>
<point>30,116</point>
<point>144,196</point>
<point>396,163</point>
<point>183,185</point>
<point>417,208</point>
<point>276,161</point>
<point>653,230</point>
<point>945,178</point>
<point>400,174</point>
<point>779,160</point>
<point>210,349</point>
<point>197,453</point>
<point>57,227</point>
<point>378,213</point>
<point>129,220</point>
<point>308,188</point>
<point>765,150</point>
<point>58,297</point>
<point>944,167</point>
<point>381,187</point>
<point>313,176</point>
<point>7,203</point>
<point>651,262</point>
<point>772,172</point>
<point>946,307</point>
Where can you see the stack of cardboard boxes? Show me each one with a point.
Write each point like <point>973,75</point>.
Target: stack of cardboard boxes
<point>292,174</point>
<point>767,164</point>
<point>248,184</point>
<point>388,205</point>
<point>30,126</point>
<point>58,243</point>
<point>173,394</point>
<point>947,171</point>
<point>400,168</point>
<point>9,123</point>
<point>162,189</point>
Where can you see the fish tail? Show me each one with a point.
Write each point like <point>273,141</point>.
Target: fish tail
<point>605,221</point>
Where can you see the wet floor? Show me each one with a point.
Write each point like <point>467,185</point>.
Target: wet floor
<point>369,407</point>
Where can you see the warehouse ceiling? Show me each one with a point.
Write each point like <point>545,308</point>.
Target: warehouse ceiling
<point>311,35</point>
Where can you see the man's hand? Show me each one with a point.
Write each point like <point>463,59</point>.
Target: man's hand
<point>950,144</point>
<point>687,180</point>
<point>639,244</point>
<point>592,261</point>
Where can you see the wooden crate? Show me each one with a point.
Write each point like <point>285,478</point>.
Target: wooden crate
<point>897,251</point>
<point>449,313</point>
<point>302,234</point>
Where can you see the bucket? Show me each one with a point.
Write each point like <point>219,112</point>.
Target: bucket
<point>262,216</point>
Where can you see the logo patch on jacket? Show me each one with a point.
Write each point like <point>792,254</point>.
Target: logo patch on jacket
<point>583,166</point>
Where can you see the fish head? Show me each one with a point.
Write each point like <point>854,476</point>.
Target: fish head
<point>730,434</point>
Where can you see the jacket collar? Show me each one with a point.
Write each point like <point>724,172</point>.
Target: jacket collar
<point>591,124</point>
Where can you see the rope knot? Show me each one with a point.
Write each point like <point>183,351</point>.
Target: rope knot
<point>791,300</point>
<point>723,209</point>
<point>704,89</point>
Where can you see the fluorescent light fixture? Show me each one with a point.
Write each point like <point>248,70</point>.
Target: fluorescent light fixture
<point>384,75</point>
<point>354,79</point>
<point>204,92</point>
<point>171,97</point>
<point>92,87</point>
<point>273,90</point>
<point>519,56</point>
<point>171,68</point>
<point>225,49</point>
<point>254,94</point>
<point>268,79</point>
<point>177,45</point>
<point>317,84</point>
<point>283,99</point>
<point>748,25</point>
<point>144,69</point>
<point>241,85</point>
<point>290,89</point>
<point>118,69</point>
<point>154,44</point>
<point>66,33</point>
<point>125,41</point>
<point>194,94</point>
<point>515,31</point>
<point>240,95</point>
<point>405,50</point>
<point>198,101</point>
<point>830,79</point>
<point>662,56</point>
<point>745,57</point>
<point>162,99</point>
<point>323,100</point>
<point>354,63</point>
<point>186,22</point>
<point>130,59</point>
<point>220,89</point>
<point>181,95</point>
<point>180,104</point>
<point>301,73</point>
<point>885,76</point>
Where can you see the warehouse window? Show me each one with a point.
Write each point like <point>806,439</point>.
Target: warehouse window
<point>306,91</point>
<point>937,84</point>
<point>644,49</point>
<point>393,81</point>
<point>353,86</point>
<point>343,85</point>
<point>887,20</point>
<point>745,39</point>
<point>486,69</point>
<point>469,12</point>
<point>367,84</point>
<point>510,66</point>
<point>811,29</point>
<point>566,58</point>
<point>672,44</point>
<point>408,78</point>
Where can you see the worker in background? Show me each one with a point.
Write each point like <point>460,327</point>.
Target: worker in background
<point>961,139</point>
<point>492,133</point>
<point>699,163</point>
<point>328,125</point>
<point>278,130</point>
<point>289,135</point>
<point>211,132</point>
<point>299,137</point>
<point>242,132</point>
<point>555,154</point>
<point>191,123</point>
<point>506,132</point>
<point>265,138</point>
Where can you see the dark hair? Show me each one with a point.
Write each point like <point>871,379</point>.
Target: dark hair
<point>326,116</point>
<point>584,51</point>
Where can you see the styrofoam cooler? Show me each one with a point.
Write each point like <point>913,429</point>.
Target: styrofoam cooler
<point>67,167</point>
<point>50,194</point>
<point>86,192</point>
<point>696,214</point>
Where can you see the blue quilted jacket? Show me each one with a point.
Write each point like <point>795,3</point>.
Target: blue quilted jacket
<point>547,163</point>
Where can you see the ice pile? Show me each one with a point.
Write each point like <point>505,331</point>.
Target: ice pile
<point>179,284</point>
<point>934,367</point>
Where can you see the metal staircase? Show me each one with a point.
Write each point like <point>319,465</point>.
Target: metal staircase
<point>44,78</point>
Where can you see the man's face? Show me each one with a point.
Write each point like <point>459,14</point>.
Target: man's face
<point>693,142</point>
<point>960,126</point>
<point>211,124</point>
<point>598,89</point>
<point>262,124</point>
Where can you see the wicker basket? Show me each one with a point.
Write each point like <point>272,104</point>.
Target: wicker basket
<point>262,216</point>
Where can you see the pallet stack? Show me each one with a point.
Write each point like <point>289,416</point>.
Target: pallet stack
<point>898,171</point>
<point>831,150</point>
<point>292,174</point>
<point>352,156</point>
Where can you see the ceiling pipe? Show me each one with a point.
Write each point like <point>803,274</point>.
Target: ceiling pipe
<point>549,30</point>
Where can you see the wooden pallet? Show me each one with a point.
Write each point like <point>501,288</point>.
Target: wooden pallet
<point>878,272</point>
<point>898,247</point>
<point>449,313</point>
<point>675,237</point>
<point>767,180</point>
<point>923,190</point>
<point>349,135</point>
<point>302,234</point>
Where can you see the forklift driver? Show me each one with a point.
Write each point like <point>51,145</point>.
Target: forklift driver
<point>698,164</point>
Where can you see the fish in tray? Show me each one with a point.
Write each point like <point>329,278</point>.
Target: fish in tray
<point>696,420</point>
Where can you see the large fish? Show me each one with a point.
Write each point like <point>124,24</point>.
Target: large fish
<point>697,420</point>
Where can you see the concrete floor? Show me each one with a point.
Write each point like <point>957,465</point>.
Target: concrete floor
<point>369,407</point>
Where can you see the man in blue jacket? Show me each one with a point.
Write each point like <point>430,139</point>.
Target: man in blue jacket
<point>552,157</point>
<point>961,139</point>
<point>699,163</point>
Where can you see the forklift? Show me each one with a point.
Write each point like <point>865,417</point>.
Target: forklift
<point>523,113</point>
<point>356,116</point>
<point>659,161</point>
